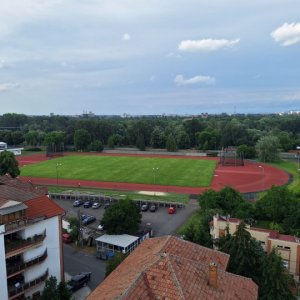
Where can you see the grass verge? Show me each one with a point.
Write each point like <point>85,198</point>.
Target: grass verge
<point>171,197</point>
<point>291,168</point>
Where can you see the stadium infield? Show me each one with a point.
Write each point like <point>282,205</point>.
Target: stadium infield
<point>252,177</point>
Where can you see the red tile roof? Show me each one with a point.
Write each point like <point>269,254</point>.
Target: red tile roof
<point>39,205</point>
<point>42,207</point>
<point>171,268</point>
<point>273,234</point>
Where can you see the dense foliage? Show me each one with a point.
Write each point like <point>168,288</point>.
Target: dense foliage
<point>54,291</point>
<point>122,217</point>
<point>8,164</point>
<point>248,259</point>
<point>209,133</point>
<point>112,263</point>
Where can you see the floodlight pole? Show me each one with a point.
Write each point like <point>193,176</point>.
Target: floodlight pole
<point>263,179</point>
<point>57,165</point>
<point>154,176</point>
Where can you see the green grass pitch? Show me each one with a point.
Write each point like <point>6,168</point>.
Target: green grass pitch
<point>171,171</point>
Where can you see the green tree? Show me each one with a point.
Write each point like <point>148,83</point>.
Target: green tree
<point>82,139</point>
<point>197,229</point>
<point>267,148</point>
<point>33,138</point>
<point>96,145</point>
<point>74,227</point>
<point>17,137</point>
<point>112,263</point>
<point>55,140</point>
<point>183,140</point>
<point>158,138</point>
<point>171,143</point>
<point>54,291</point>
<point>114,140</point>
<point>228,200</point>
<point>247,151</point>
<point>276,204</point>
<point>275,283</point>
<point>50,290</point>
<point>63,292</point>
<point>122,217</point>
<point>140,142</point>
<point>246,255</point>
<point>9,164</point>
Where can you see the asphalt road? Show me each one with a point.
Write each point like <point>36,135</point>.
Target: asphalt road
<point>76,262</point>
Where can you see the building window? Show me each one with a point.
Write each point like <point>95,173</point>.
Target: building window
<point>285,264</point>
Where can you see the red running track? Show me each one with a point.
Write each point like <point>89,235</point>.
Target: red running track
<point>252,177</point>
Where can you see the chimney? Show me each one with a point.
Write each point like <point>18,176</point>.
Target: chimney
<point>213,275</point>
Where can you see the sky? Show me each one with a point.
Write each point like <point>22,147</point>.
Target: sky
<point>149,56</point>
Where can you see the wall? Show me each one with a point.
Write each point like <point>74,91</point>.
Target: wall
<point>51,243</point>
<point>3,275</point>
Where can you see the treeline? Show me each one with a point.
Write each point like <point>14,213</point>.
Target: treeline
<point>172,133</point>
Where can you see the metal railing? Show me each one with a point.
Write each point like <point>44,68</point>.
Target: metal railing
<point>11,269</point>
<point>12,226</point>
<point>12,245</point>
<point>16,291</point>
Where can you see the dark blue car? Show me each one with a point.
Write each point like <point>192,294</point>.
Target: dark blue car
<point>88,220</point>
<point>87,204</point>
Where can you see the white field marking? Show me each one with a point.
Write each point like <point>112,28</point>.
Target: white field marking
<point>153,193</point>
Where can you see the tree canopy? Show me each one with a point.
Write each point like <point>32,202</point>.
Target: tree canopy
<point>122,217</point>
<point>9,164</point>
<point>267,148</point>
<point>82,139</point>
<point>54,291</point>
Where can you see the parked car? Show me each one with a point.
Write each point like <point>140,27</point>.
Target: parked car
<point>106,205</point>
<point>171,210</point>
<point>83,217</point>
<point>78,281</point>
<point>145,207</point>
<point>88,220</point>
<point>153,208</point>
<point>67,238</point>
<point>87,204</point>
<point>77,203</point>
<point>96,205</point>
<point>100,227</point>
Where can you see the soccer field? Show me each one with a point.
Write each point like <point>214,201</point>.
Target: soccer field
<point>168,171</point>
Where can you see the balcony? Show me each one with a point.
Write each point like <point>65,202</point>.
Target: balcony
<point>20,224</point>
<point>16,246</point>
<point>20,266</point>
<point>18,289</point>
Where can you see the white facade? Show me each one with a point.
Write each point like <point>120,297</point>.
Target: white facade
<point>3,276</point>
<point>51,244</point>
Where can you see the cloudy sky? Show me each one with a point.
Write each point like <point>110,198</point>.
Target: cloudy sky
<point>149,56</point>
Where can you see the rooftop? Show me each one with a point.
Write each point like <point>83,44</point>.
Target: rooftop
<point>171,268</point>
<point>17,195</point>
<point>122,240</point>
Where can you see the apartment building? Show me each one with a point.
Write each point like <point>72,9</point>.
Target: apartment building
<point>30,239</point>
<point>287,246</point>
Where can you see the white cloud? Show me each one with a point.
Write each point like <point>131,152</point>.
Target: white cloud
<point>5,87</point>
<point>206,45</point>
<point>180,80</point>
<point>294,96</point>
<point>126,37</point>
<point>287,34</point>
<point>5,65</point>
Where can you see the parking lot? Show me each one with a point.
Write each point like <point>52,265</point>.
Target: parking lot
<point>161,222</point>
